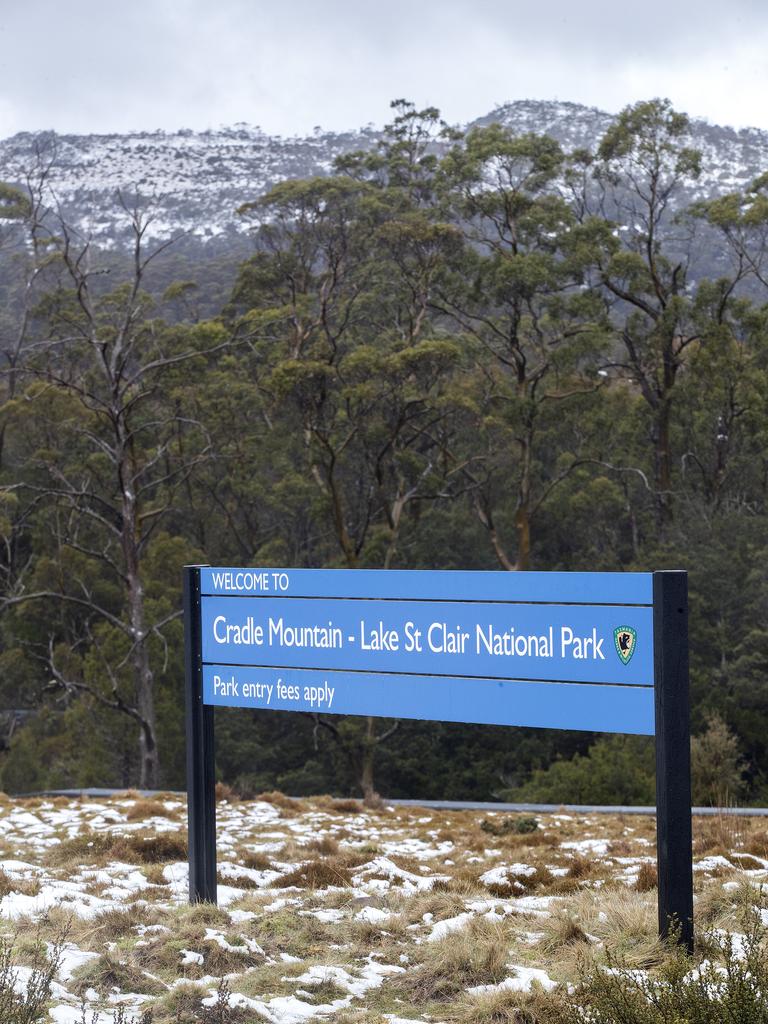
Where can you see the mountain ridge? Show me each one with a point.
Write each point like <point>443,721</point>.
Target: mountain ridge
<point>196,180</point>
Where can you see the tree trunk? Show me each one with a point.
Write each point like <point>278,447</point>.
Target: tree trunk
<point>523,510</point>
<point>143,678</point>
<point>523,528</point>
<point>368,754</point>
<point>663,463</point>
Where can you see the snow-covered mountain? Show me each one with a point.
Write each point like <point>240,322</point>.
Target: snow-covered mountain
<point>197,180</point>
<point>731,158</point>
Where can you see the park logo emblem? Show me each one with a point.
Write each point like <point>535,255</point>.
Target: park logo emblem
<point>625,638</point>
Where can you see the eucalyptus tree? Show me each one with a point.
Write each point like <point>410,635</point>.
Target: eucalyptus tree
<point>516,294</point>
<point>344,354</point>
<point>106,449</point>
<point>347,365</point>
<point>27,269</point>
<point>643,166</point>
<point>665,309</point>
<point>741,221</point>
<point>724,394</point>
<point>27,249</point>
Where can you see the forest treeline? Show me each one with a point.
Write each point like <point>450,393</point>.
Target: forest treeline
<point>482,354</point>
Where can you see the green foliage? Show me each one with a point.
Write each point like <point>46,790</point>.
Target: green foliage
<point>14,203</point>
<point>731,985</point>
<point>615,770</point>
<point>25,1000</point>
<point>517,826</point>
<point>433,358</point>
<point>717,767</point>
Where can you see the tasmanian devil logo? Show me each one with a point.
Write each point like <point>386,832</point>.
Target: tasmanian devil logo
<point>625,638</point>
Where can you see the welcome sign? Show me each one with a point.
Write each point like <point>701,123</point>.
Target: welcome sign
<point>480,647</point>
<point>602,652</point>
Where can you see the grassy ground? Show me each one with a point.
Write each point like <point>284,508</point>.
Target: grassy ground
<point>330,910</point>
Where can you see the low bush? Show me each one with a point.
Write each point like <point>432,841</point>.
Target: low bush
<point>24,992</point>
<point>514,826</point>
<point>730,986</point>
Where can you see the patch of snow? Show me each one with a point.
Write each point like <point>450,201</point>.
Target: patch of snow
<point>504,874</point>
<point>712,863</point>
<point>451,924</point>
<point>373,915</point>
<point>189,957</point>
<point>327,916</point>
<point>594,846</point>
<point>522,981</point>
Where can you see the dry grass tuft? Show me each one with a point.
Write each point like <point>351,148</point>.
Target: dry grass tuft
<point>624,920</point>
<point>581,867</point>
<point>746,861</point>
<point>437,902</point>
<point>100,847</point>
<point>517,884</point>
<point>23,886</point>
<point>386,939</point>
<point>154,874</point>
<point>129,794</point>
<point>154,849</point>
<point>528,840</point>
<point>324,991</point>
<point>256,860</point>
<point>619,848</point>
<point>288,932</point>
<point>226,794</point>
<point>325,845</point>
<point>280,800</point>
<point>146,809</point>
<point>316,874</point>
<point>505,1007</point>
<point>109,972</point>
<point>336,806</point>
<point>720,833</point>
<point>237,881</point>
<point>85,848</point>
<point>647,877</point>
<point>560,930</point>
<point>757,843</point>
<point>475,955</point>
<point>111,925</point>
<point>197,915</point>
<point>182,1005</point>
<point>347,807</point>
<point>462,884</point>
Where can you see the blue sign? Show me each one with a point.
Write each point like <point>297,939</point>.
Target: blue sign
<point>556,650</point>
<point>436,585</point>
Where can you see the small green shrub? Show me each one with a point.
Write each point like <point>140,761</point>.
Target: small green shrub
<point>27,1003</point>
<point>730,986</point>
<point>516,826</point>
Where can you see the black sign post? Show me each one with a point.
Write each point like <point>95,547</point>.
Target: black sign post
<point>201,782</point>
<point>255,627</point>
<point>673,756</point>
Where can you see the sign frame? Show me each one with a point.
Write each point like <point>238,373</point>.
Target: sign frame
<point>671,712</point>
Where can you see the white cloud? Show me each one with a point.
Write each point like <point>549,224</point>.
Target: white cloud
<point>103,65</point>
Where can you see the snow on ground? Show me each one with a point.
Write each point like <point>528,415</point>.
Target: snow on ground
<point>327,907</point>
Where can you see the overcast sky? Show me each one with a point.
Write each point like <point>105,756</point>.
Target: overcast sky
<point>288,65</point>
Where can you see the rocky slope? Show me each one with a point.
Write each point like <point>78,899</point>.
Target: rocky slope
<point>197,180</point>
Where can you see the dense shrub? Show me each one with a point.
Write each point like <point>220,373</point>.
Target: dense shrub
<point>730,986</point>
